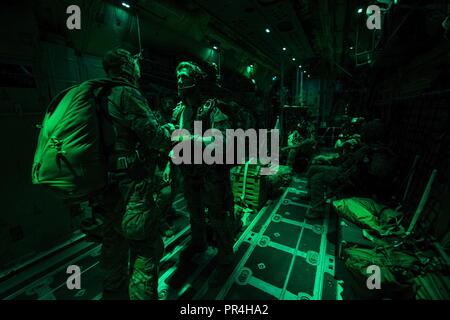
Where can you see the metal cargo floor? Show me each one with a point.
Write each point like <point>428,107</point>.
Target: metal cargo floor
<point>280,255</point>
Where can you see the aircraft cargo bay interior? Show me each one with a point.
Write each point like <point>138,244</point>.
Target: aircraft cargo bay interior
<point>225,150</point>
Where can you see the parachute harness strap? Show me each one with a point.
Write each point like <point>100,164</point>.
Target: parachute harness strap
<point>57,144</point>
<point>244,187</point>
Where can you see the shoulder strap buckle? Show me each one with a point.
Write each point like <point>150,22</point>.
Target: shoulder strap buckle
<point>122,163</point>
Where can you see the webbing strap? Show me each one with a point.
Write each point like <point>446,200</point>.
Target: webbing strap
<point>244,187</point>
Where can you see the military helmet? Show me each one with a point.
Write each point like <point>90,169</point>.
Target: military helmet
<point>357,120</point>
<point>119,61</point>
<point>356,124</point>
<point>194,70</point>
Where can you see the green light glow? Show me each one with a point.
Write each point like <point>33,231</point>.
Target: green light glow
<point>360,10</point>
<point>249,71</point>
<point>126,5</point>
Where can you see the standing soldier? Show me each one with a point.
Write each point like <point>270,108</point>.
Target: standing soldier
<point>205,186</point>
<point>132,137</point>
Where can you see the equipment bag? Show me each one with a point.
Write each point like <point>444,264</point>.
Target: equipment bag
<point>69,157</point>
<point>368,213</point>
<point>397,269</point>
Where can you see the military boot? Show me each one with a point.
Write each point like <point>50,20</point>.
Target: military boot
<point>144,280</point>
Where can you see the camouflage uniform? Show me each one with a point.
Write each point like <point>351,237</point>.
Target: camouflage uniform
<point>208,186</point>
<point>130,203</point>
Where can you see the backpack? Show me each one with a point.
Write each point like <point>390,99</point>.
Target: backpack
<point>398,269</point>
<point>69,157</point>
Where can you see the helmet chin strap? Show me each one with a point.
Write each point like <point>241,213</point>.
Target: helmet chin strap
<point>186,91</point>
<point>188,87</point>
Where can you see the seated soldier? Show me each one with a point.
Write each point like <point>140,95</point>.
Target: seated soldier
<point>368,171</point>
<point>350,137</point>
<point>301,141</point>
<point>348,142</point>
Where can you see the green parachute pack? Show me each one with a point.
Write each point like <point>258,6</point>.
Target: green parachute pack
<point>397,269</point>
<point>69,157</point>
